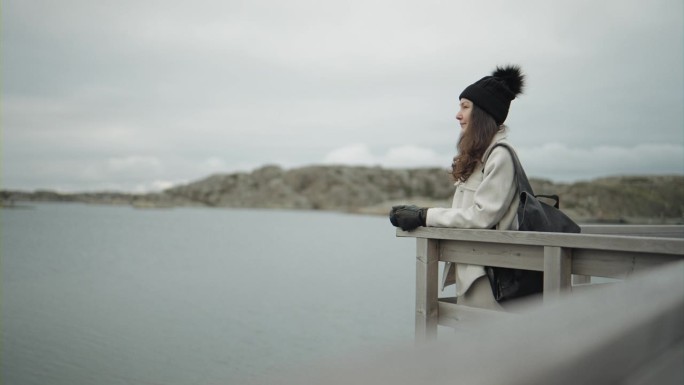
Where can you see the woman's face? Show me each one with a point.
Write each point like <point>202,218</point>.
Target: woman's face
<point>463,116</point>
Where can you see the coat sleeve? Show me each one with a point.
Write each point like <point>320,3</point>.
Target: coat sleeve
<point>491,199</point>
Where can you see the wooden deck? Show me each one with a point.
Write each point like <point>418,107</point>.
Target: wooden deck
<point>599,251</point>
<point>628,333</point>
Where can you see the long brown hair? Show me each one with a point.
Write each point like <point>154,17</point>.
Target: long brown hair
<point>473,143</point>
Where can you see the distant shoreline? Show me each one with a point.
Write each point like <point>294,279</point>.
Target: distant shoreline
<point>654,199</point>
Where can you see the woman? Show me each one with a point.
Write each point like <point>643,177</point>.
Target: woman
<point>486,195</point>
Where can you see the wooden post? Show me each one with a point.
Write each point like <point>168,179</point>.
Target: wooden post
<point>557,271</point>
<point>427,313</point>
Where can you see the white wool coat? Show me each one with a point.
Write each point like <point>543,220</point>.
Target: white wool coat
<point>488,199</point>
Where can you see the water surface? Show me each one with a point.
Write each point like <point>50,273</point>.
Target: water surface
<point>116,295</point>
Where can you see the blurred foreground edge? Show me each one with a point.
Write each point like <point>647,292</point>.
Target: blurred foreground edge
<point>626,333</point>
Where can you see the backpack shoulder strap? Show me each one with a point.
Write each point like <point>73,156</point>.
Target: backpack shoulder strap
<point>520,176</point>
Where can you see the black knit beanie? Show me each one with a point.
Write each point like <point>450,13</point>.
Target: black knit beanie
<point>494,94</point>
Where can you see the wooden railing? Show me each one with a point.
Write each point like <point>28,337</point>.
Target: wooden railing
<point>600,251</point>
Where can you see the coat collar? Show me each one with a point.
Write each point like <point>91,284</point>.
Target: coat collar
<point>501,135</point>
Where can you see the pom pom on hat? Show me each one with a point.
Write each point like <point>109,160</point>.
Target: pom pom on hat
<point>512,77</point>
<point>494,93</point>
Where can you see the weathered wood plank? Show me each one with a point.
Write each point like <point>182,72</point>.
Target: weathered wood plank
<point>557,272</point>
<point>584,241</point>
<point>486,254</point>
<point>427,310</point>
<point>616,264</point>
<point>581,279</point>
<point>597,263</point>
<point>458,316</point>
<point>664,231</point>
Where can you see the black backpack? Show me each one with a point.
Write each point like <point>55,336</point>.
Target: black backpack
<point>533,215</point>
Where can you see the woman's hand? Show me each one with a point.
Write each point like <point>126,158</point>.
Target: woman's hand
<point>408,217</point>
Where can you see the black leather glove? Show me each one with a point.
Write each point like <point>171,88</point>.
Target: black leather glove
<point>408,217</point>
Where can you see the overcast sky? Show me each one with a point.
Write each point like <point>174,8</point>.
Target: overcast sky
<point>139,95</point>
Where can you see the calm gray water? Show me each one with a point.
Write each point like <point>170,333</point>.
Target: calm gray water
<point>115,295</point>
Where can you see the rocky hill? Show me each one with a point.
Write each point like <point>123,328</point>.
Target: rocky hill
<point>373,190</point>
<point>318,188</point>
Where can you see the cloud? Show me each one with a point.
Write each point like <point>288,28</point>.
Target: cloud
<point>559,162</point>
<point>413,156</point>
<point>555,161</point>
<point>134,172</point>
<point>221,86</point>
<point>354,154</point>
<point>134,165</point>
<point>213,164</point>
<point>407,156</point>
